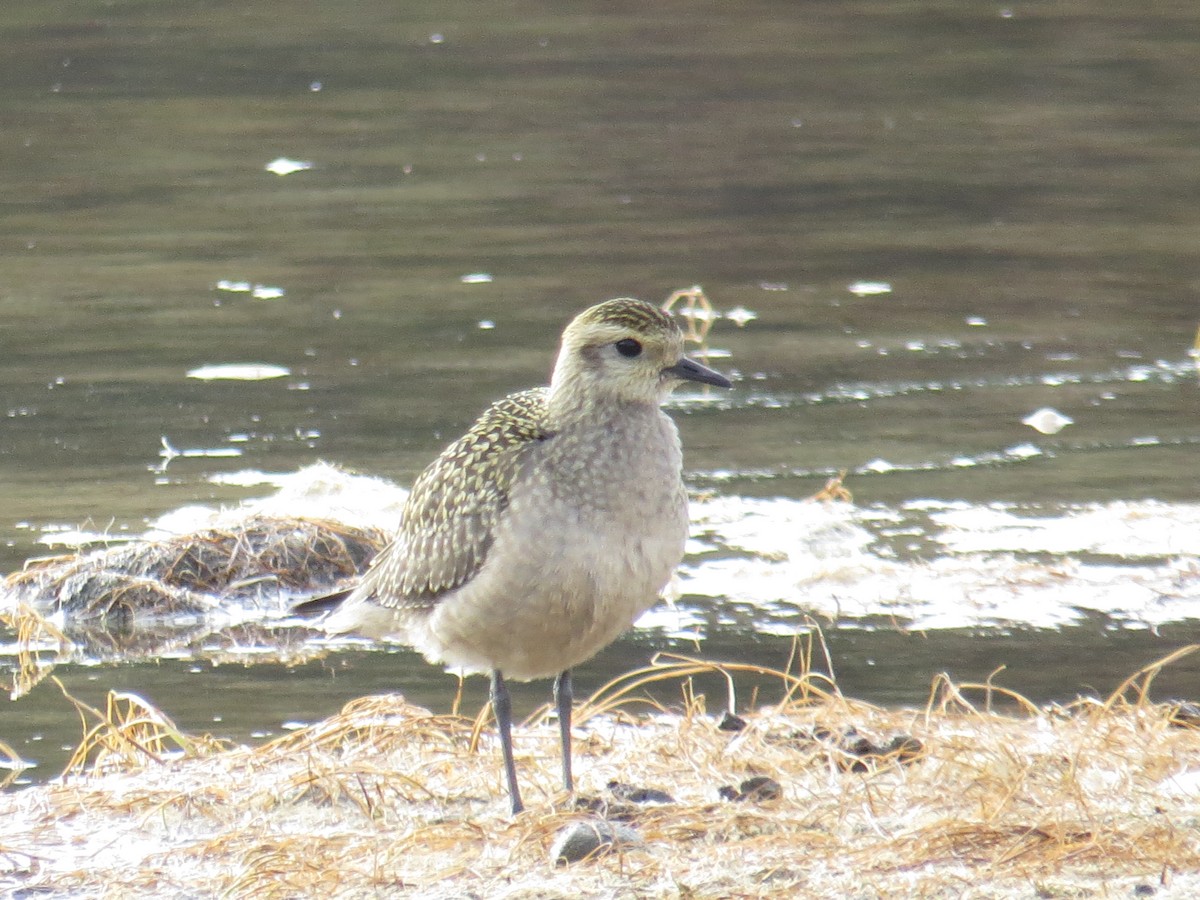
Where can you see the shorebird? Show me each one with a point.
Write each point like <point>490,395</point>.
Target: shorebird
<point>539,536</point>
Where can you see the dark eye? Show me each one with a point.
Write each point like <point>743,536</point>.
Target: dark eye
<point>628,347</point>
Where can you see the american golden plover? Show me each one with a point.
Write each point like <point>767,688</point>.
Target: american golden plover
<point>539,536</point>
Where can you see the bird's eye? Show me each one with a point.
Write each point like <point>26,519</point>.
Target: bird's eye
<point>628,347</point>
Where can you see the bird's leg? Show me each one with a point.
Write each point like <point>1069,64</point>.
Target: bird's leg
<point>564,696</point>
<point>502,709</point>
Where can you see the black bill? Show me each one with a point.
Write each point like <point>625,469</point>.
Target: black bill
<point>690,370</point>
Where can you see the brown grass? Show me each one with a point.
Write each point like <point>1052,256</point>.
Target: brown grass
<point>183,573</point>
<point>1004,799</point>
<point>145,598</point>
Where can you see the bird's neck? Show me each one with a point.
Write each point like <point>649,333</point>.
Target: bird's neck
<point>568,406</point>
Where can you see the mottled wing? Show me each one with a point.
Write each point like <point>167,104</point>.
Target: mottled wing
<point>450,517</point>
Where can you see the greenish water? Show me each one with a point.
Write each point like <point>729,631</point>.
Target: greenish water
<point>1023,179</point>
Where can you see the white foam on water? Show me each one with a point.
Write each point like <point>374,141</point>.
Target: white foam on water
<point>776,564</point>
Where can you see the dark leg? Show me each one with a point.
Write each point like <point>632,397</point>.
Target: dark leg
<point>502,708</point>
<point>564,696</point>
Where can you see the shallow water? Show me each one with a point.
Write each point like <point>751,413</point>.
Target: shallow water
<point>943,219</point>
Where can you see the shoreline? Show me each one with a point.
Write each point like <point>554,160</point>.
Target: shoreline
<point>1088,799</point>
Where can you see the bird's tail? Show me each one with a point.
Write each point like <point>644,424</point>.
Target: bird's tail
<point>319,606</point>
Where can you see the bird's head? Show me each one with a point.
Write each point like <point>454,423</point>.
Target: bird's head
<point>626,351</point>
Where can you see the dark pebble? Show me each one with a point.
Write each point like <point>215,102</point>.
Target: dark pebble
<point>761,788</point>
<point>730,722</point>
<point>756,790</point>
<point>857,753</point>
<point>631,794</point>
<point>856,745</point>
<point>905,748</point>
<point>607,809</point>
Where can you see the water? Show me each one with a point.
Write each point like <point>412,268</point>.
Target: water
<point>1017,182</point>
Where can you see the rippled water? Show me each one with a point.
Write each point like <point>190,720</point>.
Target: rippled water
<point>943,219</point>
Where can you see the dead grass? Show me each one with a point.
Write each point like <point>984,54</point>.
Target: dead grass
<point>128,733</point>
<point>147,598</point>
<point>1003,799</point>
<point>182,574</point>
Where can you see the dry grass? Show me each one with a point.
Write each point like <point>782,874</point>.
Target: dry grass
<point>127,733</point>
<point>696,313</point>
<point>1002,799</point>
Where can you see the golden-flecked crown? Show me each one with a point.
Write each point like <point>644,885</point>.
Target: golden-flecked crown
<point>625,312</point>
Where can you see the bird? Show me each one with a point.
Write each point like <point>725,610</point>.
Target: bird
<point>539,536</point>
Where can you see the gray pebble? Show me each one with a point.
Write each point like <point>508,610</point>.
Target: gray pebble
<point>590,838</point>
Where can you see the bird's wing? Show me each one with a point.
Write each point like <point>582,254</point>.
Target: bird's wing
<point>450,517</point>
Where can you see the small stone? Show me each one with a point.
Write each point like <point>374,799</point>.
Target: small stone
<point>756,790</point>
<point>730,722</point>
<point>591,838</point>
<point>855,744</point>
<point>587,804</point>
<point>631,794</point>
<point>905,748</point>
<point>1185,714</point>
<point>602,808</point>
<point>856,753</point>
<point>760,788</point>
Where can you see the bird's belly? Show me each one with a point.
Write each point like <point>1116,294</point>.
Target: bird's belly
<point>559,600</point>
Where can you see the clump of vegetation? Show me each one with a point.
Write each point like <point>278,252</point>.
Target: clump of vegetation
<point>222,586</point>
<point>262,555</point>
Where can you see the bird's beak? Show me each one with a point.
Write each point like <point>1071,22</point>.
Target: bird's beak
<point>690,370</point>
